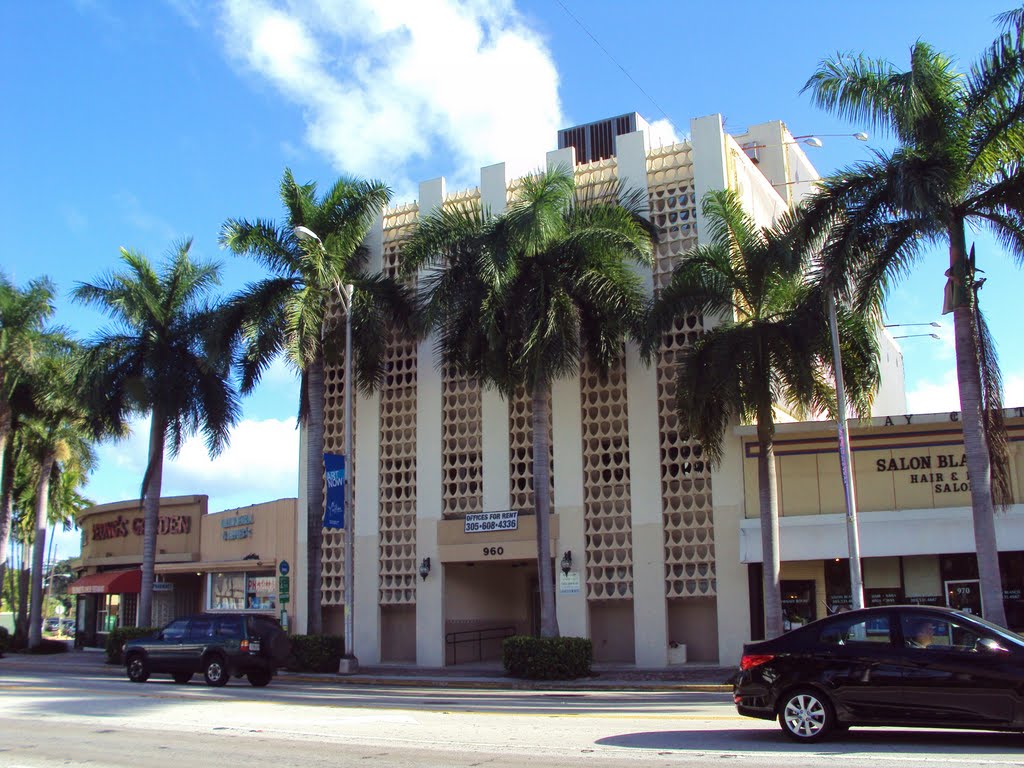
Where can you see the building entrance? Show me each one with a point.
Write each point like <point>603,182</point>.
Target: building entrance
<point>484,604</point>
<point>964,595</point>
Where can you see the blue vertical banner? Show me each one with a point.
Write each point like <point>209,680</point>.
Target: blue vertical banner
<point>334,469</point>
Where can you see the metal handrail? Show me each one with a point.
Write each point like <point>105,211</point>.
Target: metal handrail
<point>477,636</point>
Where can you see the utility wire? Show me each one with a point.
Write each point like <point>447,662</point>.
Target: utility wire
<point>616,63</point>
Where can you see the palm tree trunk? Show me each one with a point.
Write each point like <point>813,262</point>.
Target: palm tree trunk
<point>315,494</point>
<point>769,503</point>
<point>542,499</point>
<point>151,514</point>
<point>35,617</point>
<point>6,505</point>
<point>968,373</point>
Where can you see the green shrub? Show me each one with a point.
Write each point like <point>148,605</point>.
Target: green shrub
<point>118,637</point>
<point>547,658</point>
<point>5,640</point>
<point>315,653</point>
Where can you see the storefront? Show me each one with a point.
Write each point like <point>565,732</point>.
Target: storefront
<point>916,530</point>
<point>237,560</point>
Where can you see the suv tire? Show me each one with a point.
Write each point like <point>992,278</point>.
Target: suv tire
<point>138,670</point>
<point>215,671</point>
<point>258,677</point>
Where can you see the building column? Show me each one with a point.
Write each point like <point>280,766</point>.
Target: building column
<point>494,406</point>
<point>650,611</point>
<point>429,477</point>
<point>300,611</point>
<point>365,593</point>
<point>567,446</point>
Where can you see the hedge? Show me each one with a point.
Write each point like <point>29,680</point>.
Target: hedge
<point>5,640</point>
<point>315,653</point>
<point>118,637</point>
<point>47,647</point>
<point>547,658</point>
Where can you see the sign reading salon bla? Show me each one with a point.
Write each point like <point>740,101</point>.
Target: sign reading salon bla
<point>485,522</point>
<point>944,472</point>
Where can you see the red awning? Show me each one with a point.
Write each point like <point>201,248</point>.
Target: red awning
<point>109,583</point>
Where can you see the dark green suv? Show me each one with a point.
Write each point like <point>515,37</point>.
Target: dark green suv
<point>217,645</point>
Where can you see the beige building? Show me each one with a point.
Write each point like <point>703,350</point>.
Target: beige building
<point>636,518</point>
<point>239,559</point>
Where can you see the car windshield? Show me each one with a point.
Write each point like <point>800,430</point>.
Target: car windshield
<point>1003,632</point>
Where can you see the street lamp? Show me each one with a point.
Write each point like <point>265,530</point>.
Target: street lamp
<point>917,336</point>
<point>350,663</point>
<point>846,464</point>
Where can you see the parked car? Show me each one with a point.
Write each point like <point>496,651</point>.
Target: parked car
<point>67,627</point>
<point>908,665</point>
<point>51,625</point>
<point>218,646</point>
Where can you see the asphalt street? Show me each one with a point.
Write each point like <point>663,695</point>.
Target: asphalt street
<point>50,718</point>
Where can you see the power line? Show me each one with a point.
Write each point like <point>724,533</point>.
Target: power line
<point>616,63</point>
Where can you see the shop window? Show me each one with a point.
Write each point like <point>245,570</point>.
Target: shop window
<point>108,614</point>
<point>254,591</point>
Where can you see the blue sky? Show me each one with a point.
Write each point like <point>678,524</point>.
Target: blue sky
<point>138,124</point>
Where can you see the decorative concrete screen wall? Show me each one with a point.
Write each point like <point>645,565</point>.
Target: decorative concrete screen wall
<point>461,423</point>
<point>332,558</point>
<point>685,476</point>
<point>520,435</point>
<point>398,442</point>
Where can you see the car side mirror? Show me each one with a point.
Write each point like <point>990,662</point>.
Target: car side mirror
<point>988,645</point>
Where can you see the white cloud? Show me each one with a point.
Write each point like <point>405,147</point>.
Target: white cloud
<point>260,464</point>
<point>943,395</point>
<point>383,83</point>
<point>662,133</point>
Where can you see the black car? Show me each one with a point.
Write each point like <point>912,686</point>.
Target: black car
<point>903,665</point>
<point>217,645</point>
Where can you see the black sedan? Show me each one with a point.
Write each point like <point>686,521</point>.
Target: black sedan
<point>896,666</point>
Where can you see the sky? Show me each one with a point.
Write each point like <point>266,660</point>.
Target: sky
<point>140,124</point>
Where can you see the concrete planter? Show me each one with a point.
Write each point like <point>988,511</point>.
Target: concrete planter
<point>677,655</point>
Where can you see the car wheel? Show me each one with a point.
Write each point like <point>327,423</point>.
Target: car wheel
<point>182,677</point>
<point>806,715</point>
<point>259,677</point>
<point>216,672</point>
<point>138,670</point>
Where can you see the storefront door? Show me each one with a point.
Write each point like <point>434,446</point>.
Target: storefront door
<point>964,595</point>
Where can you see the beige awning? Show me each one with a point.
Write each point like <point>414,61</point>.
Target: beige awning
<point>215,566</point>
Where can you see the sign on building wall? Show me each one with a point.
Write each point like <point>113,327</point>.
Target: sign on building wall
<point>483,522</point>
<point>334,512</point>
<point>569,583</point>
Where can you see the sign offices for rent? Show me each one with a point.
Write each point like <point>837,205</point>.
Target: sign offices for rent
<point>485,522</point>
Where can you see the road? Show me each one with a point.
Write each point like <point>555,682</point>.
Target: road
<point>94,719</point>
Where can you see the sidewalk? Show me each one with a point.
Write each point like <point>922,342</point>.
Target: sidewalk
<point>689,677</point>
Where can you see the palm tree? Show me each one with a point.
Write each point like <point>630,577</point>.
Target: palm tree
<point>58,436</point>
<point>160,358</point>
<point>290,313</point>
<point>772,348</point>
<point>960,139</point>
<point>23,317</point>
<point>518,299</point>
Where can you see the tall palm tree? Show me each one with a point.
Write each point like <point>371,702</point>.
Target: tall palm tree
<point>518,299</point>
<point>59,436</point>
<point>160,358</point>
<point>772,348</point>
<point>23,317</point>
<point>289,313</point>
<point>960,139</point>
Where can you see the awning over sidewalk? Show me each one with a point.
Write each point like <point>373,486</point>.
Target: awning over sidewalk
<point>109,583</point>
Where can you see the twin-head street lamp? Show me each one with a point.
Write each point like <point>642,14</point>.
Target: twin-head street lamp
<point>349,664</point>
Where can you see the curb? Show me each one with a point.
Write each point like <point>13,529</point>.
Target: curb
<point>496,684</point>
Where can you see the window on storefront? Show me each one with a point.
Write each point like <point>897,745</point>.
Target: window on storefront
<point>108,613</point>
<point>250,590</point>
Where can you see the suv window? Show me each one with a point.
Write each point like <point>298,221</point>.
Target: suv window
<point>176,630</point>
<point>230,627</point>
<point>200,629</point>
<point>856,631</point>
